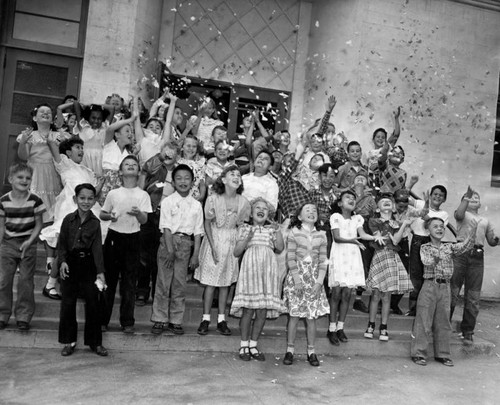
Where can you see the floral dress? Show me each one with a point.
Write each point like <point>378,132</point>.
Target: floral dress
<point>258,284</point>
<point>198,167</point>
<point>307,258</point>
<point>224,222</point>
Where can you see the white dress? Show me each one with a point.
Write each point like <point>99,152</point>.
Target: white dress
<point>346,265</point>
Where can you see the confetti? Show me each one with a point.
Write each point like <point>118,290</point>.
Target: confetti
<point>317,24</point>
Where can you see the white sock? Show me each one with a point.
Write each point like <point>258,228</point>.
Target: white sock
<point>332,327</point>
<point>253,343</point>
<point>220,318</point>
<point>310,350</point>
<point>290,348</point>
<point>340,325</point>
<point>51,283</point>
<point>206,317</point>
<point>244,343</point>
<point>50,259</point>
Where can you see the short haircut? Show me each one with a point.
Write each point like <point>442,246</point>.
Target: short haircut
<point>20,167</point>
<point>379,130</point>
<point>219,142</point>
<point>129,157</point>
<point>219,128</point>
<point>267,153</point>
<point>440,188</point>
<point>428,221</point>
<point>381,196</point>
<point>159,121</point>
<point>400,148</point>
<point>69,97</point>
<point>326,167</point>
<point>352,143</point>
<point>182,167</point>
<point>85,186</point>
<point>350,192</point>
<point>95,107</point>
<point>67,144</point>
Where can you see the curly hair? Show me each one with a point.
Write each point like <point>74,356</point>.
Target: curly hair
<point>219,187</point>
<point>67,144</point>
<point>295,222</point>
<point>271,209</point>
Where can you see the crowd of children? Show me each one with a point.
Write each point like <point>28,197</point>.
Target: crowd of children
<point>154,200</point>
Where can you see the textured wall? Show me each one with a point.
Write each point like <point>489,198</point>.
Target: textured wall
<point>439,61</point>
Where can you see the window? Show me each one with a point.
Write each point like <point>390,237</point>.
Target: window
<point>495,170</point>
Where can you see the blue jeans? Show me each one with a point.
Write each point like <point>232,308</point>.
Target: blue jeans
<point>10,259</point>
<point>416,267</point>
<point>468,272</point>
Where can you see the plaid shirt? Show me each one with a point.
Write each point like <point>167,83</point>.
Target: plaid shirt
<point>324,204</point>
<point>391,177</point>
<point>291,194</point>
<point>438,261</point>
<point>338,156</point>
<point>347,173</point>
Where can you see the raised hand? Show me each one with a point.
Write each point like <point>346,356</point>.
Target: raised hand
<point>26,135</point>
<point>331,102</point>
<point>397,113</point>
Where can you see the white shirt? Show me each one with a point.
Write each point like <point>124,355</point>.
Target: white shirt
<point>112,156</point>
<point>418,225</point>
<point>263,186</point>
<point>120,201</point>
<point>181,215</point>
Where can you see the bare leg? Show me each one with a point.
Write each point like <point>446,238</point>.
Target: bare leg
<point>223,291</point>
<point>335,295</point>
<point>311,332</point>
<point>245,323</point>
<point>293,321</point>
<point>208,297</point>
<point>258,323</point>
<point>375,298</point>
<point>344,304</point>
<point>386,306</point>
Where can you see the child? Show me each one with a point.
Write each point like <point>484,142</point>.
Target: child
<point>348,171</point>
<point>391,177</point>
<point>308,176</point>
<point>303,292</point>
<point>433,306</point>
<point>181,221</point>
<point>82,272</point>
<point>379,140</point>
<point>387,272</point>
<point>127,208</point>
<point>191,158</point>
<point>34,149</point>
<point>156,179</point>
<point>216,165</point>
<point>258,287</point>
<point>468,268</point>
<point>206,122</point>
<point>420,236</point>
<point>68,156</point>
<point>117,146</point>
<point>219,133</point>
<point>346,265</point>
<point>224,211</point>
<point>91,128</point>
<point>20,223</point>
<point>148,139</point>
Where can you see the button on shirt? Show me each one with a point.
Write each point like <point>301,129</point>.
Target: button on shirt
<point>181,215</point>
<point>418,225</point>
<point>77,235</point>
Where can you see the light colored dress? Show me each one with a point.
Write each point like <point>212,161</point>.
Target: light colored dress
<point>198,167</point>
<point>224,224</point>
<point>346,265</point>
<point>94,144</point>
<point>72,174</point>
<point>45,183</point>
<point>150,146</point>
<point>306,255</point>
<point>258,284</point>
<point>112,156</point>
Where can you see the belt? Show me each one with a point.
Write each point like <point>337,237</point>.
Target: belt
<point>81,253</point>
<point>184,235</point>
<point>439,280</point>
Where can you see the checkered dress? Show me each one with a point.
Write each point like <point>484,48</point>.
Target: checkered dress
<point>291,194</point>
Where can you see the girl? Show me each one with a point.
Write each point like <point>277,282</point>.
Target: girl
<point>216,165</point>
<point>346,264</point>
<point>303,291</point>
<point>33,147</point>
<point>206,122</point>
<point>91,128</point>
<point>224,211</point>
<point>191,158</point>
<point>387,272</point>
<point>258,287</point>
<point>117,146</point>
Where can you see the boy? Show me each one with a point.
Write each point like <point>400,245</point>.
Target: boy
<point>391,177</point>
<point>420,236</point>
<point>433,306</point>
<point>156,179</point>
<point>181,221</point>
<point>82,269</point>
<point>348,171</point>
<point>127,208</point>
<point>469,267</point>
<point>20,224</point>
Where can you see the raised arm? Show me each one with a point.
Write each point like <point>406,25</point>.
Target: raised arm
<point>24,147</point>
<point>153,112</point>
<point>262,130</point>
<point>397,130</point>
<point>330,105</point>
<point>53,144</point>
<point>110,131</point>
<point>464,204</point>
<point>59,113</point>
<point>167,129</point>
<point>139,132</point>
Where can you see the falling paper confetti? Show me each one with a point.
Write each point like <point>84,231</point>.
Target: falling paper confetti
<point>317,24</point>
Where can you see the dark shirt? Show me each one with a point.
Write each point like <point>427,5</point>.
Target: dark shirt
<point>77,236</point>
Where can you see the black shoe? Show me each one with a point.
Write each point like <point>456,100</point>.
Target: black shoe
<point>245,353</point>
<point>99,350</point>
<point>140,301</point>
<point>104,328</point>
<point>157,328</point>
<point>3,325</point>
<point>68,350</point>
<point>341,335</point>
<point>444,361</point>
<point>313,360</point>
<point>23,326</point>
<point>396,311</point>
<point>411,312</point>
<point>128,329</point>
<point>359,305</point>
<point>51,293</point>
<point>203,329</point>
<point>175,329</point>
<point>223,329</point>
<point>257,354</point>
<point>419,360</point>
<point>288,360</point>
<point>468,339</point>
<point>332,337</point>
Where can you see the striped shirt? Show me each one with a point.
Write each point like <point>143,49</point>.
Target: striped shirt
<point>20,217</point>
<point>303,245</point>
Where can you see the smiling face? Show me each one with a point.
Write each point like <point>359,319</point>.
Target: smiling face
<point>436,199</point>
<point>95,119</point>
<point>222,151</point>
<point>178,117</point>
<point>43,115</point>
<point>347,202</point>
<point>396,157</point>
<point>308,214</point>
<point>190,148</point>
<point>475,202</point>
<point>436,229</point>
<point>260,213</point>
<point>232,179</point>
<point>116,101</point>
<point>124,136</point>
<point>316,143</point>
<point>262,163</point>
<point>76,153</point>
<point>354,153</point>
<point>327,179</point>
<point>385,205</point>
<point>71,121</point>
<point>379,139</point>
<point>129,167</point>
<point>220,135</point>
<point>21,181</point>
<point>316,162</point>
<point>155,127</point>
<point>85,200</point>
<point>284,139</point>
<point>182,181</point>
<point>360,181</point>
<point>170,155</point>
